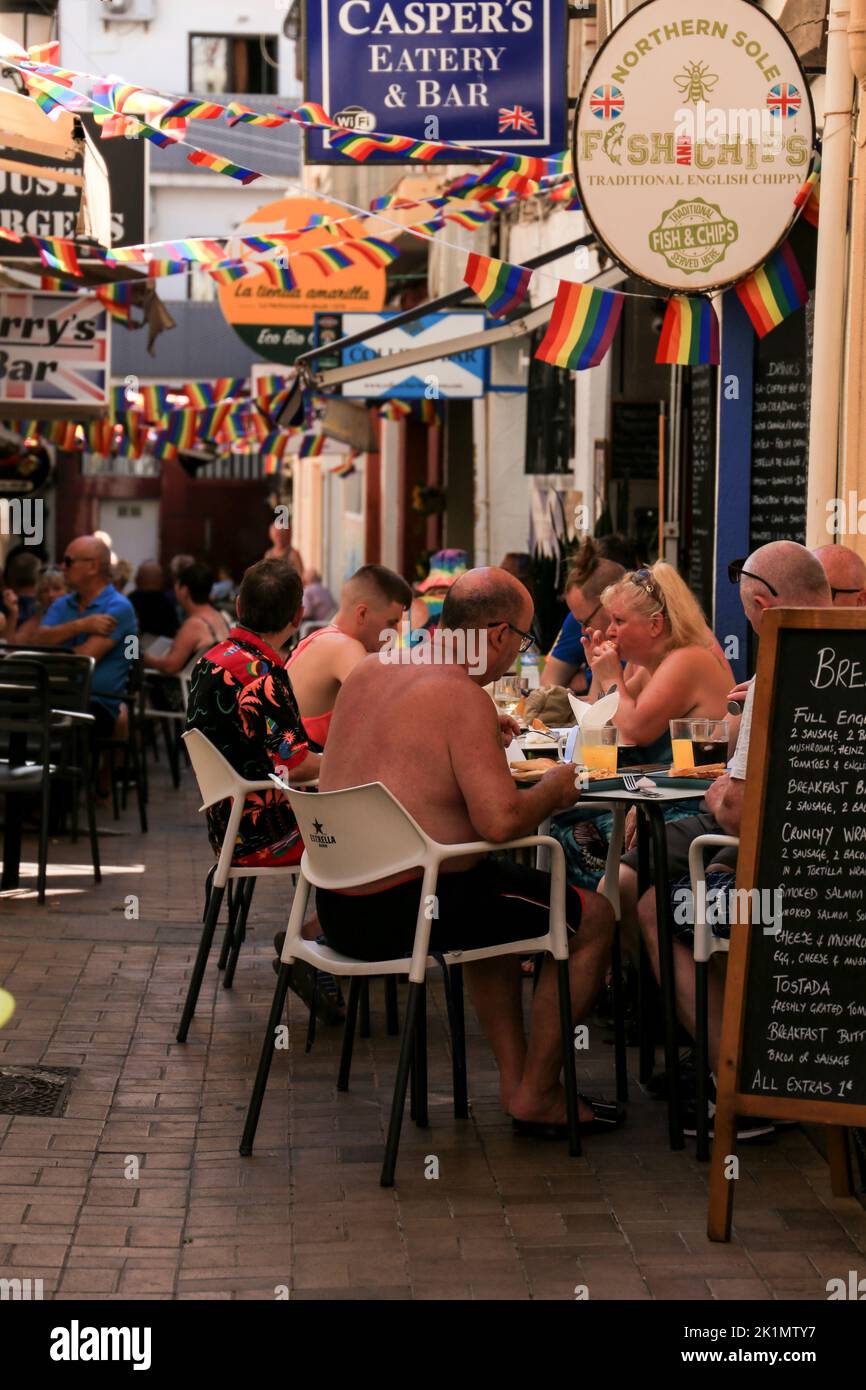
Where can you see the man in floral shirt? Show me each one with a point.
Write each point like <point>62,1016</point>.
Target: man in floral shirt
<point>241,699</point>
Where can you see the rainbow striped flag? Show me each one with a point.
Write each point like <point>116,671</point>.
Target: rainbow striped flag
<point>212,420</point>
<point>374,250</point>
<point>201,249</point>
<point>154,401</point>
<point>154,270</point>
<point>280,276</point>
<point>183,428</point>
<point>311,446</point>
<point>198,393</point>
<point>690,333</point>
<point>328,259</point>
<point>520,172</point>
<point>56,253</point>
<point>59,283</point>
<point>499,286</point>
<point>581,326</point>
<point>395,410</point>
<point>205,160</point>
<point>429,228</point>
<point>129,442</point>
<point>237,113</point>
<point>347,467</point>
<point>6,234</point>
<point>470,218</point>
<point>310,113</point>
<point>117,299</point>
<point>100,436</point>
<point>227,272</point>
<point>268,384</point>
<point>191,109</point>
<point>773,292</point>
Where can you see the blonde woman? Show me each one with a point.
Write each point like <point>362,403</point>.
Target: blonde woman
<point>676,670</point>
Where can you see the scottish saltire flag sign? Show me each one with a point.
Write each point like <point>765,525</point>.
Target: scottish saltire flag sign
<point>459,71</point>
<point>53,350</point>
<point>457,376</point>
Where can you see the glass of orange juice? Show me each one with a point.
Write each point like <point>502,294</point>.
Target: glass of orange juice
<point>681,743</point>
<point>598,748</point>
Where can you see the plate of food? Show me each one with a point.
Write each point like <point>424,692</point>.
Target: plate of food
<point>706,773</point>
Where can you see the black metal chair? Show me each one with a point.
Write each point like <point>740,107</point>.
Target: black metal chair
<point>25,733</point>
<point>131,745</point>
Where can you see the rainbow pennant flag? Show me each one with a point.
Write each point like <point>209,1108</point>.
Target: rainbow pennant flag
<point>100,436</point>
<point>56,253</point>
<point>160,446</point>
<point>156,137</point>
<point>499,286</point>
<point>212,420</point>
<point>198,393</point>
<point>237,113</point>
<point>374,250</point>
<point>773,292</point>
<point>117,299</point>
<point>347,467</point>
<point>395,410</point>
<point>520,172</point>
<point>59,282</point>
<point>310,113</point>
<point>227,272</point>
<point>328,259</point>
<point>690,333</point>
<point>113,126</point>
<point>311,446</point>
<point>223,388</point>
<point>470,218</point>
<point>429,228</point>
<point>280,276</point>
<point>205,160</point>
<point>191,109</point>
<point>129,442</point>
<point>268,384</point>
<point>581,326</point>
<point>154,270</point>
<point>154,401</point>
<point>6,234</point>
<point>201,249</point>
<point>55,94</point>
<point>183,428</point>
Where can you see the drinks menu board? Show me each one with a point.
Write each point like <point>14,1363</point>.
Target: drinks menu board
<point>794,1030</point>
<point>702,489</point>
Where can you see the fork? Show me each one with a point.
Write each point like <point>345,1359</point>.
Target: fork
<point>630,782</point>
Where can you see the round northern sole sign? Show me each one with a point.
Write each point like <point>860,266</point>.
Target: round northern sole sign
<point>693,134</point>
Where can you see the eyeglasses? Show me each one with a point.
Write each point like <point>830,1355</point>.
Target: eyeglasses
<point>527,637</point>
<point>834,592</point>
<point>585,622</point>
<point>736,573</point>
<point>644,580</point>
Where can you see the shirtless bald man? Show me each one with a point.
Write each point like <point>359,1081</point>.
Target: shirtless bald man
<point>432,736</point>
<point>846,575</point>
<point>371,603</point>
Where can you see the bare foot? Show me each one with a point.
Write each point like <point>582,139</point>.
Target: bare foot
<point>547,1108</point>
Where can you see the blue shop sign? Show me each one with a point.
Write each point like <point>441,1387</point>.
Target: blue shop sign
<point>488,73</point>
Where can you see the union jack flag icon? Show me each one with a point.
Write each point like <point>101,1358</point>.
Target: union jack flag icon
<point>783,100</point>
<point>607,103</point>
<point>516,118</point>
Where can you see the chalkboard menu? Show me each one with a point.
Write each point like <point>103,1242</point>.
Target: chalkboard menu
<point>780,417</point>
<point>794,1028</point>
<point>634,449</point>
<point>805,1029</point>
<point>702,485</point>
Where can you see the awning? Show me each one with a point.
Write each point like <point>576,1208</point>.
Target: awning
<point>515,328</point>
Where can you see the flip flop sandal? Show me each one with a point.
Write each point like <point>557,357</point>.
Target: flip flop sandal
<point>327,1000</point>
<point>606,1117</point>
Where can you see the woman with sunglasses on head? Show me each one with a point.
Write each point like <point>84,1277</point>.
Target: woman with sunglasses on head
<point>674,670</point>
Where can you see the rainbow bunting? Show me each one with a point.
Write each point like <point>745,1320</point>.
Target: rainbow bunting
<point>198,393</point>
<point>212,420</point>
<point>268,384</point>
<point>374,250</point>
<point>114,95</point>
<point>156,137</point>
<point>117,299</point>
<point>129,443</point>
<point>558,163</point>
<point>581,326</point>
<point>328,259</point>
<point>391,200</point>
<point>428,228</point>
<point>100,436</point>
<point>311,446</point>
<point>56,92</point>
<point>236,112</point>
<point>470,218</point>
<point>259,243</point>
<point>808,195</point>
<point>428,412</point>
<point>47,54</point>
<point>56,253</point>
<point>499,286</point>
<point>773,292</point>
<point>191,109</point>
<point>160,446</point>
<point>395,410</point>
<point>227,272</point>
<point>280,276</point>
<point>206,160</point>
<point>310,113</point>
<point>200,249</point>
<point>154,270</point>
<point>183,428</point>
<point>346,468</point>
<point>7,234</point>
<point>690,333</point>
<point>114,126</point>
<point>154,401</point>
<point>59,283</point>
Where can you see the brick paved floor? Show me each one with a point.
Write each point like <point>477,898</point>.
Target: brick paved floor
<point>138,1191</point>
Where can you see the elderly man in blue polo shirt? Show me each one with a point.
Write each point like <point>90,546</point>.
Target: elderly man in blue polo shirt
<point>93,619</point>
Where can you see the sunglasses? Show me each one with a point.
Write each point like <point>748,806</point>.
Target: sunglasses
<point>70,560</point>
<point>644,580</point>
<point>834,592</point>
<point>527,638</point>
<point>736,573</point>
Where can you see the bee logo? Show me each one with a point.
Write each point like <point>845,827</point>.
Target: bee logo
<point>695,82</point>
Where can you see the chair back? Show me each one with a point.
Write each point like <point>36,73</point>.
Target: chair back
<point>69,676</point>
<point>25,709</point>
<point>215,775</point>
<point>357,835</point>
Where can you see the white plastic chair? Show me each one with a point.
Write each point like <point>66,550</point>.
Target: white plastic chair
<point>706,944</point>
<point>218,781</point>
<point>357,836</point>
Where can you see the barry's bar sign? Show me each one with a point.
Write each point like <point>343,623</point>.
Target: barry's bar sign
<point>476,72</point>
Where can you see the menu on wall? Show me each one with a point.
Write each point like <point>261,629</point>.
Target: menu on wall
<point>780,416</point>
<point>702,485</point>
<point>804,1033</point>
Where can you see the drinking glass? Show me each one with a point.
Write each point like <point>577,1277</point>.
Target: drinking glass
<point>509,691</point>
<point>598,748</point>
<point>699,742</point>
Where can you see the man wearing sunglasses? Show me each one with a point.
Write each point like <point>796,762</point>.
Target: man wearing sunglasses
<point>93,619</point>
<point>783,574</point>
<point>846,575</point>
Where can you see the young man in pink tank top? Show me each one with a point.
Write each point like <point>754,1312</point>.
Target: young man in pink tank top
<point>371,605</point>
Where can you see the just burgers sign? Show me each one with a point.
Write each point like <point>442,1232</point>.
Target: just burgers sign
<point>693,133</point>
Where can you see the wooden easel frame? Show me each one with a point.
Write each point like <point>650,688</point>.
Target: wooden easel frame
<point>730,1101</point>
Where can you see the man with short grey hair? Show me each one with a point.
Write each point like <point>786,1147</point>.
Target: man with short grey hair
<point>93,619</point>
